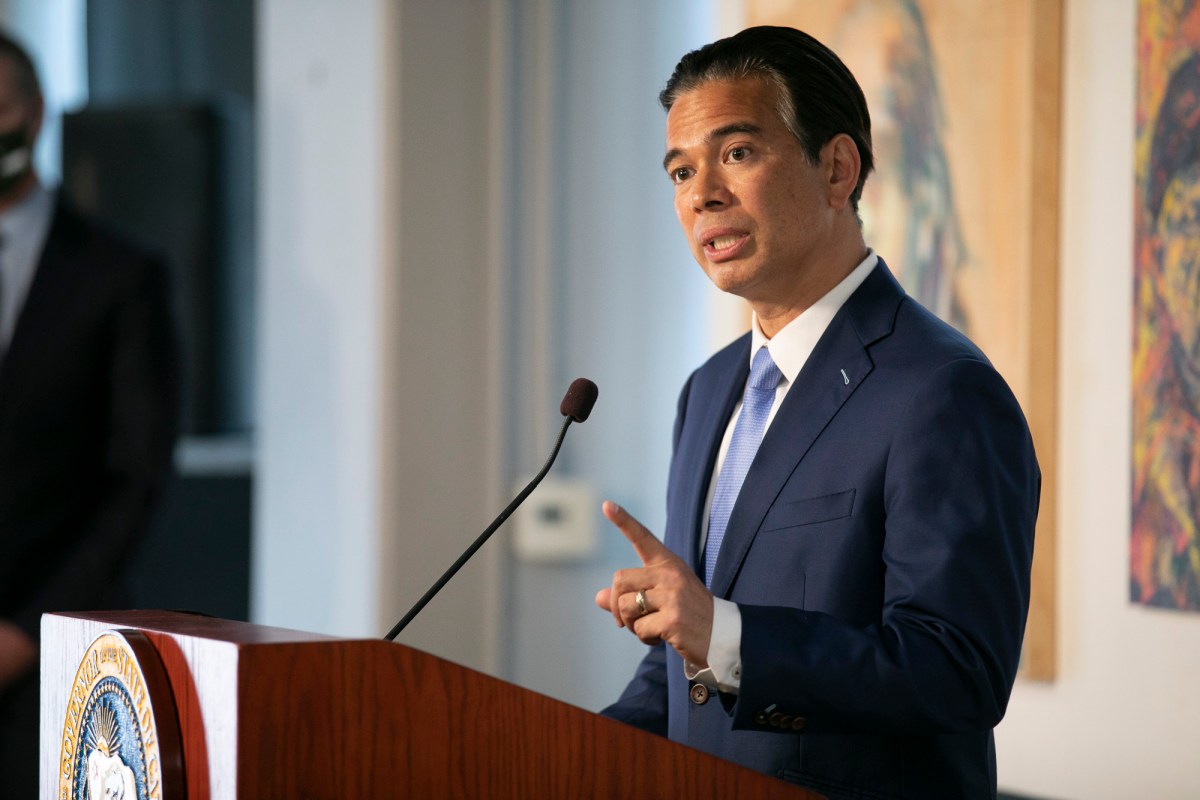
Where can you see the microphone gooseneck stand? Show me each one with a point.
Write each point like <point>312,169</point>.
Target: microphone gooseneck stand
<point>575,407</point>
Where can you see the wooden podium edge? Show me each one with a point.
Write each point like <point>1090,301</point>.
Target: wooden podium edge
<point>319,716</point>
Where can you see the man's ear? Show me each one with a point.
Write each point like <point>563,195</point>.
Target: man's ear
<point>843,164</point>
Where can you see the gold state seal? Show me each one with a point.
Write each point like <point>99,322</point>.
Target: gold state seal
<point>121,734</point>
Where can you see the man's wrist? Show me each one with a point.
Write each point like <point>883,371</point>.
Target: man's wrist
<point>724,670</point>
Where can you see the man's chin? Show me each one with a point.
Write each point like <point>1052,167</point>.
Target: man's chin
<point>737,288</point>
<point>729,278</point>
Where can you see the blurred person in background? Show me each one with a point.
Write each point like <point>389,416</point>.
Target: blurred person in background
<point>88,409</point>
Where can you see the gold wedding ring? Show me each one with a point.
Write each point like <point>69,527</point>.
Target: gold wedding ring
<point>640,597</point>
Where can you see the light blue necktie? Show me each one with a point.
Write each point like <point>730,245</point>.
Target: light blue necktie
<point>747,434</point>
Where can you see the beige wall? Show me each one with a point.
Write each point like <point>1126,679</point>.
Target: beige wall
<point>376,436</point>
<point>1123,718</point>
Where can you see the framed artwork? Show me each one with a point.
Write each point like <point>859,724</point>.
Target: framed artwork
<point>963,204</point>
<point>1164,549</point>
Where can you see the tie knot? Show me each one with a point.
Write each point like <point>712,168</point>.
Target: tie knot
<point>763,372</point>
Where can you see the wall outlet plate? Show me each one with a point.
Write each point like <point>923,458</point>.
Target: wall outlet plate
<point>557,523</point>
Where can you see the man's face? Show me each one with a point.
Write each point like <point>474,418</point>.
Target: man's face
<point>20,121</point>
<point>16,111</point>
<point>756,213</point>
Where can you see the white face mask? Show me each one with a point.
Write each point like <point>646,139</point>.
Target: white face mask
<point>16,157</point>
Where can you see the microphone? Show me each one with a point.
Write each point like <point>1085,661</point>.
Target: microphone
<point>576,406</point>
<point>578,401</point>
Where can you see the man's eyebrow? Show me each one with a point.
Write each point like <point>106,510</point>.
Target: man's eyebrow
<point>717,133</point>
<point>671,155</point>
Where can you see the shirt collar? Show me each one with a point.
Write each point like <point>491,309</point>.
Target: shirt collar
<point>31,208</point>
<point>794,343</point>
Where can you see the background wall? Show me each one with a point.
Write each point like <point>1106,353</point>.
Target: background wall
<point>1121,719</point>
<point>377,327</point>
<point>601,285</point>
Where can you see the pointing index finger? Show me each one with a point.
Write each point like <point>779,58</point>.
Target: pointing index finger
<point>646,544</point>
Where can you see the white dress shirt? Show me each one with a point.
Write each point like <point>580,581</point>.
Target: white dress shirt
<point>23,231</point>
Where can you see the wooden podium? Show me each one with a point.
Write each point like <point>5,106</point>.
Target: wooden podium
<point>273,713</point>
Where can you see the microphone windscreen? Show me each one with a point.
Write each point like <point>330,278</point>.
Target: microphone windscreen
<point>578,401</point>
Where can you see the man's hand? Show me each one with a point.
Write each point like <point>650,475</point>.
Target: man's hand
<point>18,653</point>
<point>679,609</point>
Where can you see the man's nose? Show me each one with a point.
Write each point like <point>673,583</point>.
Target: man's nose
<point>709,191</point>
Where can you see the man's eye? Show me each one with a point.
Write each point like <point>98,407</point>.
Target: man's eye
<point>739,153</point>
<point>680,174</point>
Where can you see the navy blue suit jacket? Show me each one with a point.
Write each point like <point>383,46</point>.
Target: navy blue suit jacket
<point>879,553</point>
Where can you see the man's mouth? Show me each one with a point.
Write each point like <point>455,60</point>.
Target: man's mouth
<point>723,242</point>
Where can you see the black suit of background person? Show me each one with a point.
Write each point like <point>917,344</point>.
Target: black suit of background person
<point>88,412</point>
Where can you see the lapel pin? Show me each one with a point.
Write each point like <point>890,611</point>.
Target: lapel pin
<point>845,377</point>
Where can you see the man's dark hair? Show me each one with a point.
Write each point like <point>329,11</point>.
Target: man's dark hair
<point>27,78</point>
<point>818,97</point>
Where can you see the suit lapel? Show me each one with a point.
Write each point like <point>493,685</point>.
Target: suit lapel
<point>838,365</point>
<point>713,418</point>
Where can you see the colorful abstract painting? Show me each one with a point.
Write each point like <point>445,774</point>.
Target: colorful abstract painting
<point>1165,546</point>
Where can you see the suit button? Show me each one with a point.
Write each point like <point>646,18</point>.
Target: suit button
<point>699,694</point>
<point>776,720</point>
<point>760,718</point>
<point>798,723</point>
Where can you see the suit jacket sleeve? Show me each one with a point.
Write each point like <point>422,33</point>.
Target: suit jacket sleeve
<point>142,411</point>
<point>643,704</point>
<point>960,494</point>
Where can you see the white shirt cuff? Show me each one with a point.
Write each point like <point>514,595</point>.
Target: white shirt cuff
<point>724,670</point>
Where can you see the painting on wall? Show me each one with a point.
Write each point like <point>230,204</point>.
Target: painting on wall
<point>963,204</point>
<point>1165,545</point>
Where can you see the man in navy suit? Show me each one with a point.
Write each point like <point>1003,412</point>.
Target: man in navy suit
<point>88,398</point>
<point>839,600</point>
